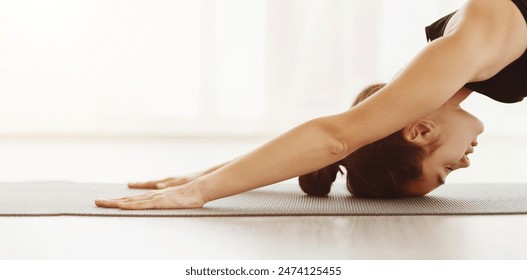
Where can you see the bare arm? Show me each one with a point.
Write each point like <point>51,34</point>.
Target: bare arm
<point>486,38</point>
<point>174,181</point>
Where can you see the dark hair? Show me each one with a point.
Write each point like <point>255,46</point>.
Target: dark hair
<point>381,169</point>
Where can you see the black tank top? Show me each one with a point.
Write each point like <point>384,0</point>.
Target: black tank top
<point>507,86</point>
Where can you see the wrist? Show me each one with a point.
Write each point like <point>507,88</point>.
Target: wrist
<point>199,187</point>
<point>192,176</point>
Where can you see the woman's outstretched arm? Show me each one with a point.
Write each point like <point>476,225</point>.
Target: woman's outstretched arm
<point>487,37</point>
<point>174,181</point>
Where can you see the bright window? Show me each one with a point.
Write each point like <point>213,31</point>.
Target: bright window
<point>165,67</point>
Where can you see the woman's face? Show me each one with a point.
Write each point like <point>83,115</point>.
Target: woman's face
<point>458,131</point>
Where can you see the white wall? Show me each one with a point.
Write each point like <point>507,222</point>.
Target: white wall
<point>164,67</point>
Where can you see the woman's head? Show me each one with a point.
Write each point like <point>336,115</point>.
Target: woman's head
<point>458,131</point>
<point>410,162</point>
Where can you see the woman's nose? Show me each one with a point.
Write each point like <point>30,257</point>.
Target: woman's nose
<point>480,126</point>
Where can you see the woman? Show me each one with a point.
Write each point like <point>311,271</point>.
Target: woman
<point>481,47</point>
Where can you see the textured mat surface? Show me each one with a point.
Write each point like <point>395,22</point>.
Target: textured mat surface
<point>76,199</point>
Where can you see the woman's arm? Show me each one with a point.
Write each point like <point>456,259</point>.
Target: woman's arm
<point>472,51</point>
<point>174,181</point>
<point>488,36</point>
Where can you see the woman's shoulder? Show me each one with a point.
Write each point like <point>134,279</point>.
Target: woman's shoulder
<point>493,14</point>
<point>496,28</point>
<point>490,14</point>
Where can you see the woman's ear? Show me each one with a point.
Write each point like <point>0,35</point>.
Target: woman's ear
<point>422,132</point>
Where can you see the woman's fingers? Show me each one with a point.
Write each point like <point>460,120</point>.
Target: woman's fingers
<point>148,184</point>
<point>141,204</point>
<point>106,203</point>
<point>114,203</point>
<point>142,185</point>
<point>161,184</point>
<point>144,203</point>
<point>109,203</point>
<point>177,181</point>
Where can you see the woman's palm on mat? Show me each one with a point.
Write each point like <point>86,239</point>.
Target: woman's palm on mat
<point>178,197</point>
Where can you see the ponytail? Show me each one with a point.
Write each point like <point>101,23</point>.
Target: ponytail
<point>319,183</point>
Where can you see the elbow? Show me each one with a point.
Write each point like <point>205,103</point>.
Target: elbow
<point>338,148</point>
<point>336,142</point>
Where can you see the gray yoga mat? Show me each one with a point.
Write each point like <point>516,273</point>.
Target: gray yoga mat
<point>76,199</point>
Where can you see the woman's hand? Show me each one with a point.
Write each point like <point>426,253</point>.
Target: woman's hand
<point>174,181</point>
<point>165,183</point>
<point>179,197</point>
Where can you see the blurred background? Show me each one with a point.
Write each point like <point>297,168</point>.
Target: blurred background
<point>112,91</point>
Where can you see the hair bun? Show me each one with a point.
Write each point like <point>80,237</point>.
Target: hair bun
<point>319,183</point>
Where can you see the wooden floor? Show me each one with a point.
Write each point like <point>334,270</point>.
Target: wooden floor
<point>398,237</point>
<point>366,237</point>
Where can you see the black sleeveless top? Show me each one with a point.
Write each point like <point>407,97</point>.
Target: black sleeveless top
<point>507,86</point>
